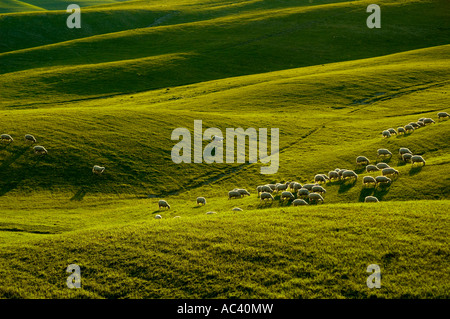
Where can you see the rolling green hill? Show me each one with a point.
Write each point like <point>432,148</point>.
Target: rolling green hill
<point>112,92</point>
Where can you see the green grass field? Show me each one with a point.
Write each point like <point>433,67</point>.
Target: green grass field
<point>112,92</point>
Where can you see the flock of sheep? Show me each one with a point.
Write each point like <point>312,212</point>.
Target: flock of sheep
<point>310,193</point>
<point>41,150</point>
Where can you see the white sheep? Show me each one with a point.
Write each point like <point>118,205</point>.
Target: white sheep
<point>318,189</point>
<point>309,186</point>
<point>443,115</point>
<point>401,130</point>
<point>415,125</point>
<point>315,197</point>
<point>382,165</point>
<point>333,175</point>
<point>40,150</point>
<point>417,159</point>
<point>349,174</point>
<point>281,187</point>
<point>201,200</point>
<point>320,178</point>
<point>386,134</point>
<point>164,204</point>
<point>407,157</point>
<point>362,160</point>
<point>383,180</point>
<point>389,171</point>
<point>98,170</point>
<point>303,192</point>
<point>392,131</point>
<point>409,129</point>
<point>234,194</point>
<point>371,199</point>
<point>237,209</point>
<point>368,180</point>
<point>428,121</point>
<point>371,168</point>
<point>30,138</point>
<point>243,192</point>
<point>382,152</point>
<point>267,189</point>
<point>158,217</point>
<point>299,202</point>
<point>403,150</point>
<point>295,186</point>
<point>287,196</point>
<point>6,138</point>
<point>265,196</point>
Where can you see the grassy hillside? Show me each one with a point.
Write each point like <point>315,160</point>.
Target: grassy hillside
<point>8,6</point>
<point>111,94</point>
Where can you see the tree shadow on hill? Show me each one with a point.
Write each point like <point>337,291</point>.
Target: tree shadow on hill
<point>415,170</point>
<point>14,157</point>
<point>366,192</point>
<point>345,186</point>
<point>380,191</point>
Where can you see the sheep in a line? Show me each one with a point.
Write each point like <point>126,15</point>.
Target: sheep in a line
<point>287,196</point>
<point>371,199</point>
<point>383,152</point>
<point>6,138</point>
<point>407,157</point>
<point>386,134</point>
<point>349,174</point>
<point>267,189</point>
<point>295,186</point>
<point>163,204</point>
<point>318,189</point>
<point>201,201</point>
<point>409,129</point>
<point>389,171</point>
<point>243,192</point>
<point>333,175</point>
<point>315,198</point>
<point>299,202</point>
<point>401,130</point>
<point>382,165</point>
<point>443,115</point>
<point>40,150</point>
<point>428,121</point>
<point>372,168</point>
<point>383,180</point>
<point>362,160</point>
<point>392,131</point>
<point>414,125</point>
<point>309,186</point>
<point>421,124</point>
<point>281,187</point>
<point>98,170</point>
<point>320,178</point>
<point>234,194</point>
<point>369,180</point>
<point>266,196</point>
<point>30,138</point>
<point>417,159</point>
<point>403,150</point>
<point>303,193</point>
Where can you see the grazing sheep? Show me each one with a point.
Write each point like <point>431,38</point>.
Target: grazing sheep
<point>401,130</point>
<point>163,203</point>
<point>383,180</point>
<point>303,192</point>
<point>299,202</point>
<point>267,196</point>
<point>267,189</point>
<point>389,171</point>
<point>243,192</point>
<point>309,186</point>
<point>234,194</point>
<point>6,138</point>
<point>210,213</point>
<point>386,134</point>
<point>428,121</point>
<point>314,197</point>
<point>30,138</point>
<point>320,178</point>
<point>98,169</point>
<point>333,175</point>
<point>40,150</point>
<point>420,123</point>
<point>158,217</point>
<point>272,186</point>
<point>403,150</point>
<point>259,189</point>
<point>362,160</point>
<point>287,196</point>
<point>349,174</point>
<point>414,124</point>
<point>392,131</point>
<point>281,187</point>
<point>371,168</point>
<point>237,209</point>
<point>421,119</point>
<point>201,200</point>
<point>341,171</point>
<point>409,129</point>
<point>417,159</point>
<point>368,180</point>
<point>382,152</point>
<point>371,199</point>
<point>318,189</point>
<point>443,115</point>
<point>382,165</point>
<point>407,157</point>
<point>295,186</point>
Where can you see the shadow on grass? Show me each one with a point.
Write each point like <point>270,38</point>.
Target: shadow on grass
<point>415,170</point>
<point>380,191</point>
<point>345,186</point>
<point>80,194</point>
<point>366,192</point>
